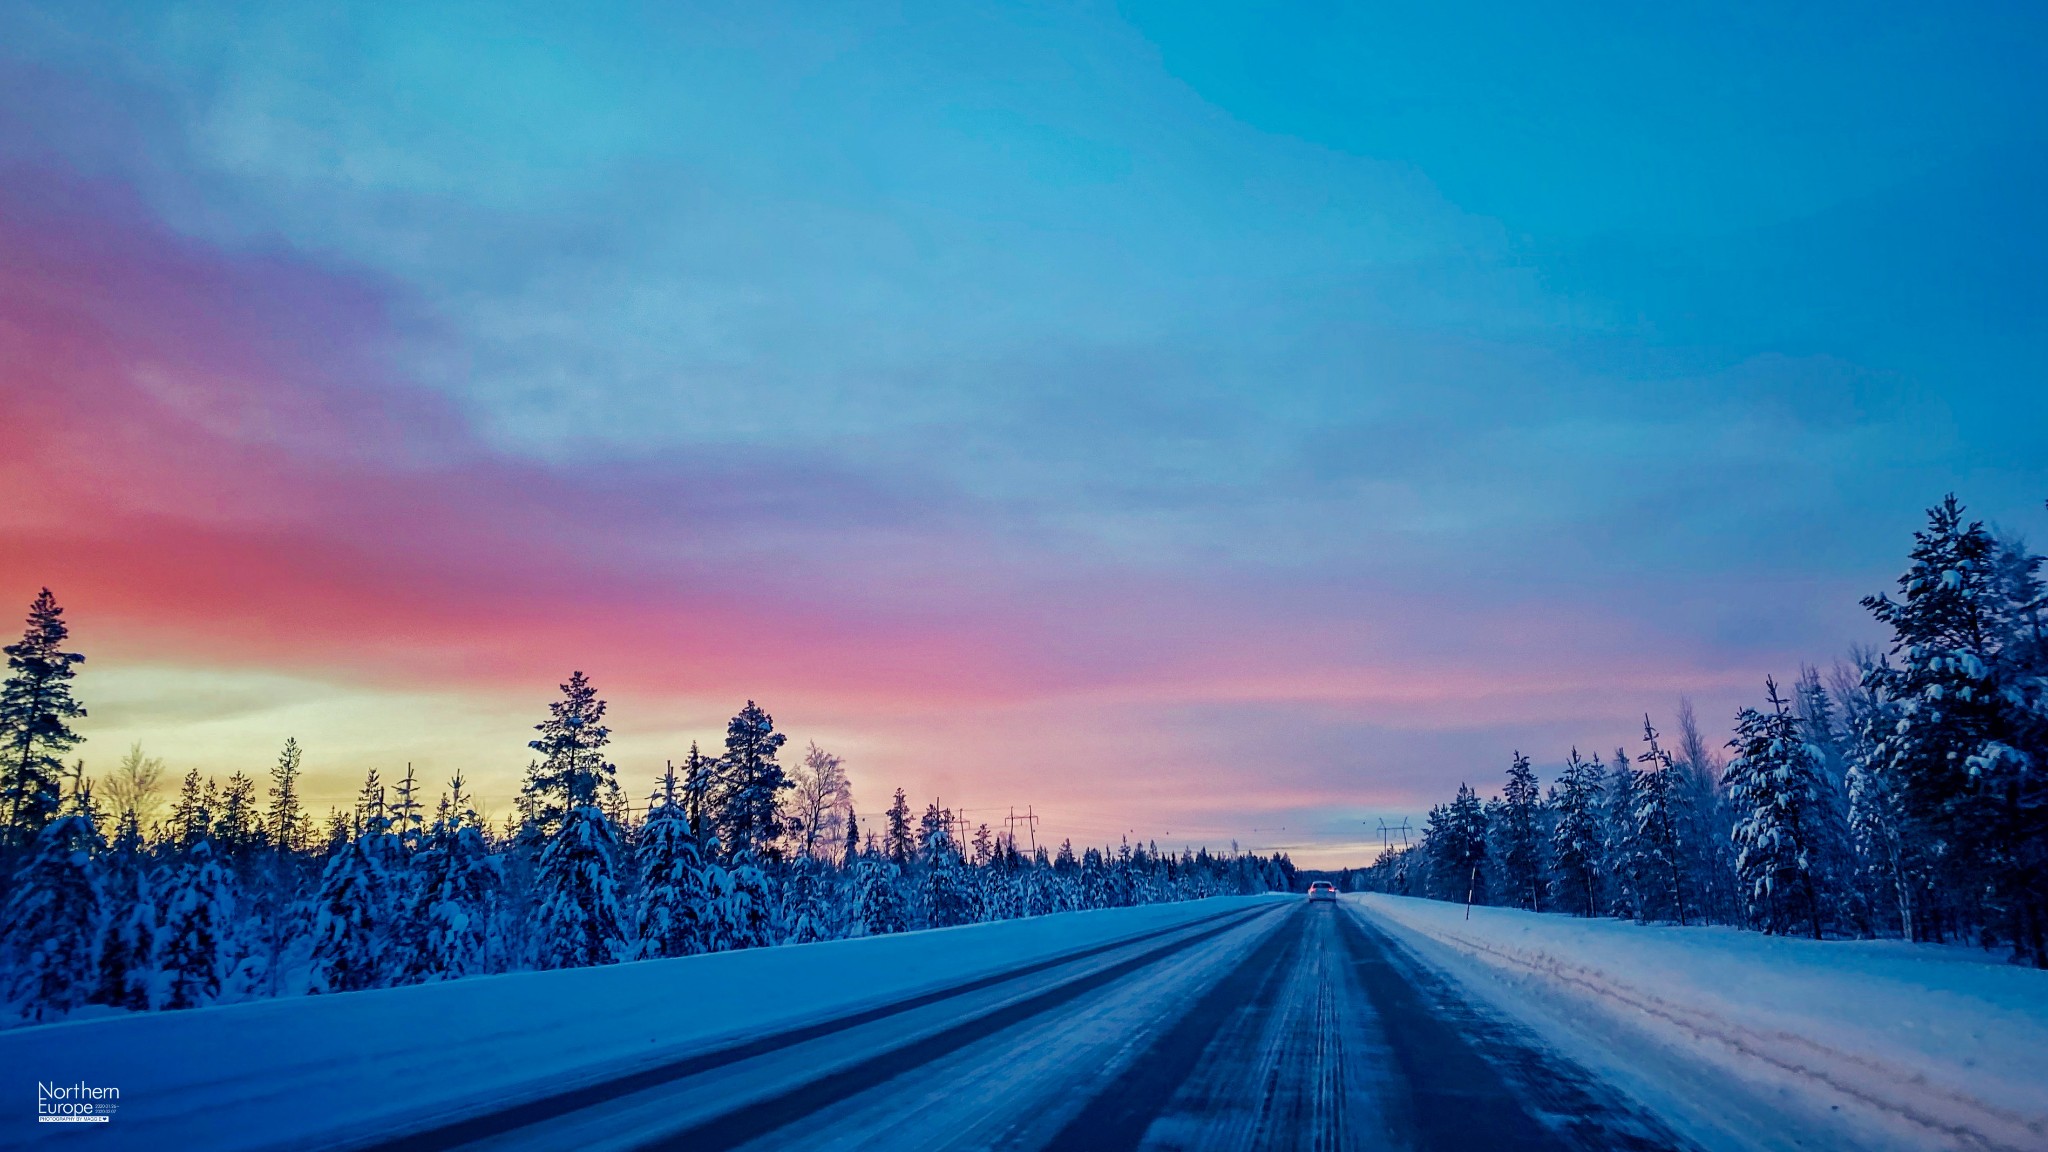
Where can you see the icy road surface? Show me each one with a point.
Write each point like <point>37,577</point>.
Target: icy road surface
<point>1281,1026</point>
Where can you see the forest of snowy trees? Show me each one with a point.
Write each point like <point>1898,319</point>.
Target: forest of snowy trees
<point>1902,794</point>
<point>235,893</point>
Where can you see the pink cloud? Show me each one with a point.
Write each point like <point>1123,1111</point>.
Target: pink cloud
<point>206,449</point>
<point>212,457</point>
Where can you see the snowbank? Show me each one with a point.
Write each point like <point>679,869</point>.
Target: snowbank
<point>1749,1041</point>
<point>305,1071</point>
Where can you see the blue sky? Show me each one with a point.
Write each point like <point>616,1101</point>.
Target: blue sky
<point>1232,365</point>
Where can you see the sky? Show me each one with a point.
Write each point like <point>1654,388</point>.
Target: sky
<point>1197,422</point>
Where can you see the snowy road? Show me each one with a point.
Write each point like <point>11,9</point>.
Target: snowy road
<point>1279,1026</point>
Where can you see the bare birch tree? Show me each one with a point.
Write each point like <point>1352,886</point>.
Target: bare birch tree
<point>821,801</point>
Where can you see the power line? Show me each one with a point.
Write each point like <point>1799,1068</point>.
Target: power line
<point>1029,820</point>
<point>1389,831</point>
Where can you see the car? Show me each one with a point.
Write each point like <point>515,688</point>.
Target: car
<point>1322,890</point>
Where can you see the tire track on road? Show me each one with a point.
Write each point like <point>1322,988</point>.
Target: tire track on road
<point>500,1122</point>
<point>1457,1101</point>
<point>762,1117</point>
<point>1118,1117</point>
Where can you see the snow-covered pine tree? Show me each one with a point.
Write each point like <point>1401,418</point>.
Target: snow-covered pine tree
<point>1069,897</point>
<point>351,925</point>
<point>1040,895</point>
<point>618,808</point>
<point>1490,878</point>
<point>673,906</point>
<point>936,823</point>
<point>336,834</point>
<point>1520,835</point>
<point>572,768</point>
<point>1661,816</point>
<point>36,710</point>
<point>277,880</point>
<point>1971,787</point>
<point>2022,769</point>
<point>997,888</point>
<point>514,929</point>
<point>533,807</point>
<point>748,802</point>
<point>1432,872</point>
<point>699,782</point>
<point>1402,881</point>
<point>579,922</point>
<point>51,922</point>
<point>127,951</point>
<point>1063,861</point>
<point>285,820</point>
<point>455,885</point>
<point>942,890</point>
<point>1707,825</point>
<point>1786,833</point>
<point>1888,871</point>
<point>1819,726</point>
<point>393,857</point>
<point>1823,723</point>
<point>851,851</point>
<point>1622,848</point>
<point>877,901</point>
<point>1090,880</point>
<point>371,805</point>
<point>807,913</point>
<point>742,905</point>
<point>1131,876</point>
<point>1458,848</point>
<point>196,950</point>
<point>237,831</point>
<point>407,813</point>
<point>191,813</point>
<point>1576,839</point>
<point>896,840</point>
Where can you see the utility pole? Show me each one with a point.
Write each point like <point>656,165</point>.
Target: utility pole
<point>1389,831</point>
<point>1030,822</point>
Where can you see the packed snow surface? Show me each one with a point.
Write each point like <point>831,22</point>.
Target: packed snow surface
<point>1753,1041</point>
<point>324,1069</point>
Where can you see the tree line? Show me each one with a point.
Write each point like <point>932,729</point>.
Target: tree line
<point>232,895</point>
<point>1904,794</point>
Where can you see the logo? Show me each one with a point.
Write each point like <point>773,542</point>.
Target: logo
<point>79,1103</point>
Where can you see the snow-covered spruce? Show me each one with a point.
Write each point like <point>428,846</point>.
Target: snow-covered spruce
<point>51,919</point>
<point>1787,829</point>
<point>1905,794</point>
<point>225,897</point>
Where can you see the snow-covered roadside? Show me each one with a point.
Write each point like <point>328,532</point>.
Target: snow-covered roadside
<point>1748,1041</point>
<point>293,1072</point>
